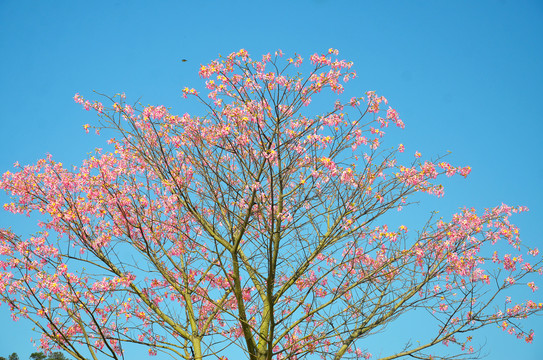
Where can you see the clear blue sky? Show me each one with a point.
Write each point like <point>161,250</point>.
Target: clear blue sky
<point>465,76</point>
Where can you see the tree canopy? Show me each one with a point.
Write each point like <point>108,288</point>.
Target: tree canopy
<point>259,225</point>
<point>57,355</point>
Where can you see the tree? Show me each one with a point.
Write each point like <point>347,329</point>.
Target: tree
<point>257,225</point>
<point>57,355</point>
<point>13,356</point>
<point>37,356</point>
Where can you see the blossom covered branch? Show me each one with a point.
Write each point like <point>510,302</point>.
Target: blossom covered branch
<point>255,225</point>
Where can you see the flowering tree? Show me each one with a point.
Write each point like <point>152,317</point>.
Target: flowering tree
<point>256,225</point>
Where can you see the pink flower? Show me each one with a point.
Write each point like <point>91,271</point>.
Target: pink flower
<point>98,106</point>
<point>347,175</point>
<point>464,171</point>
<point>128,109</point>
<point>78,99</point>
